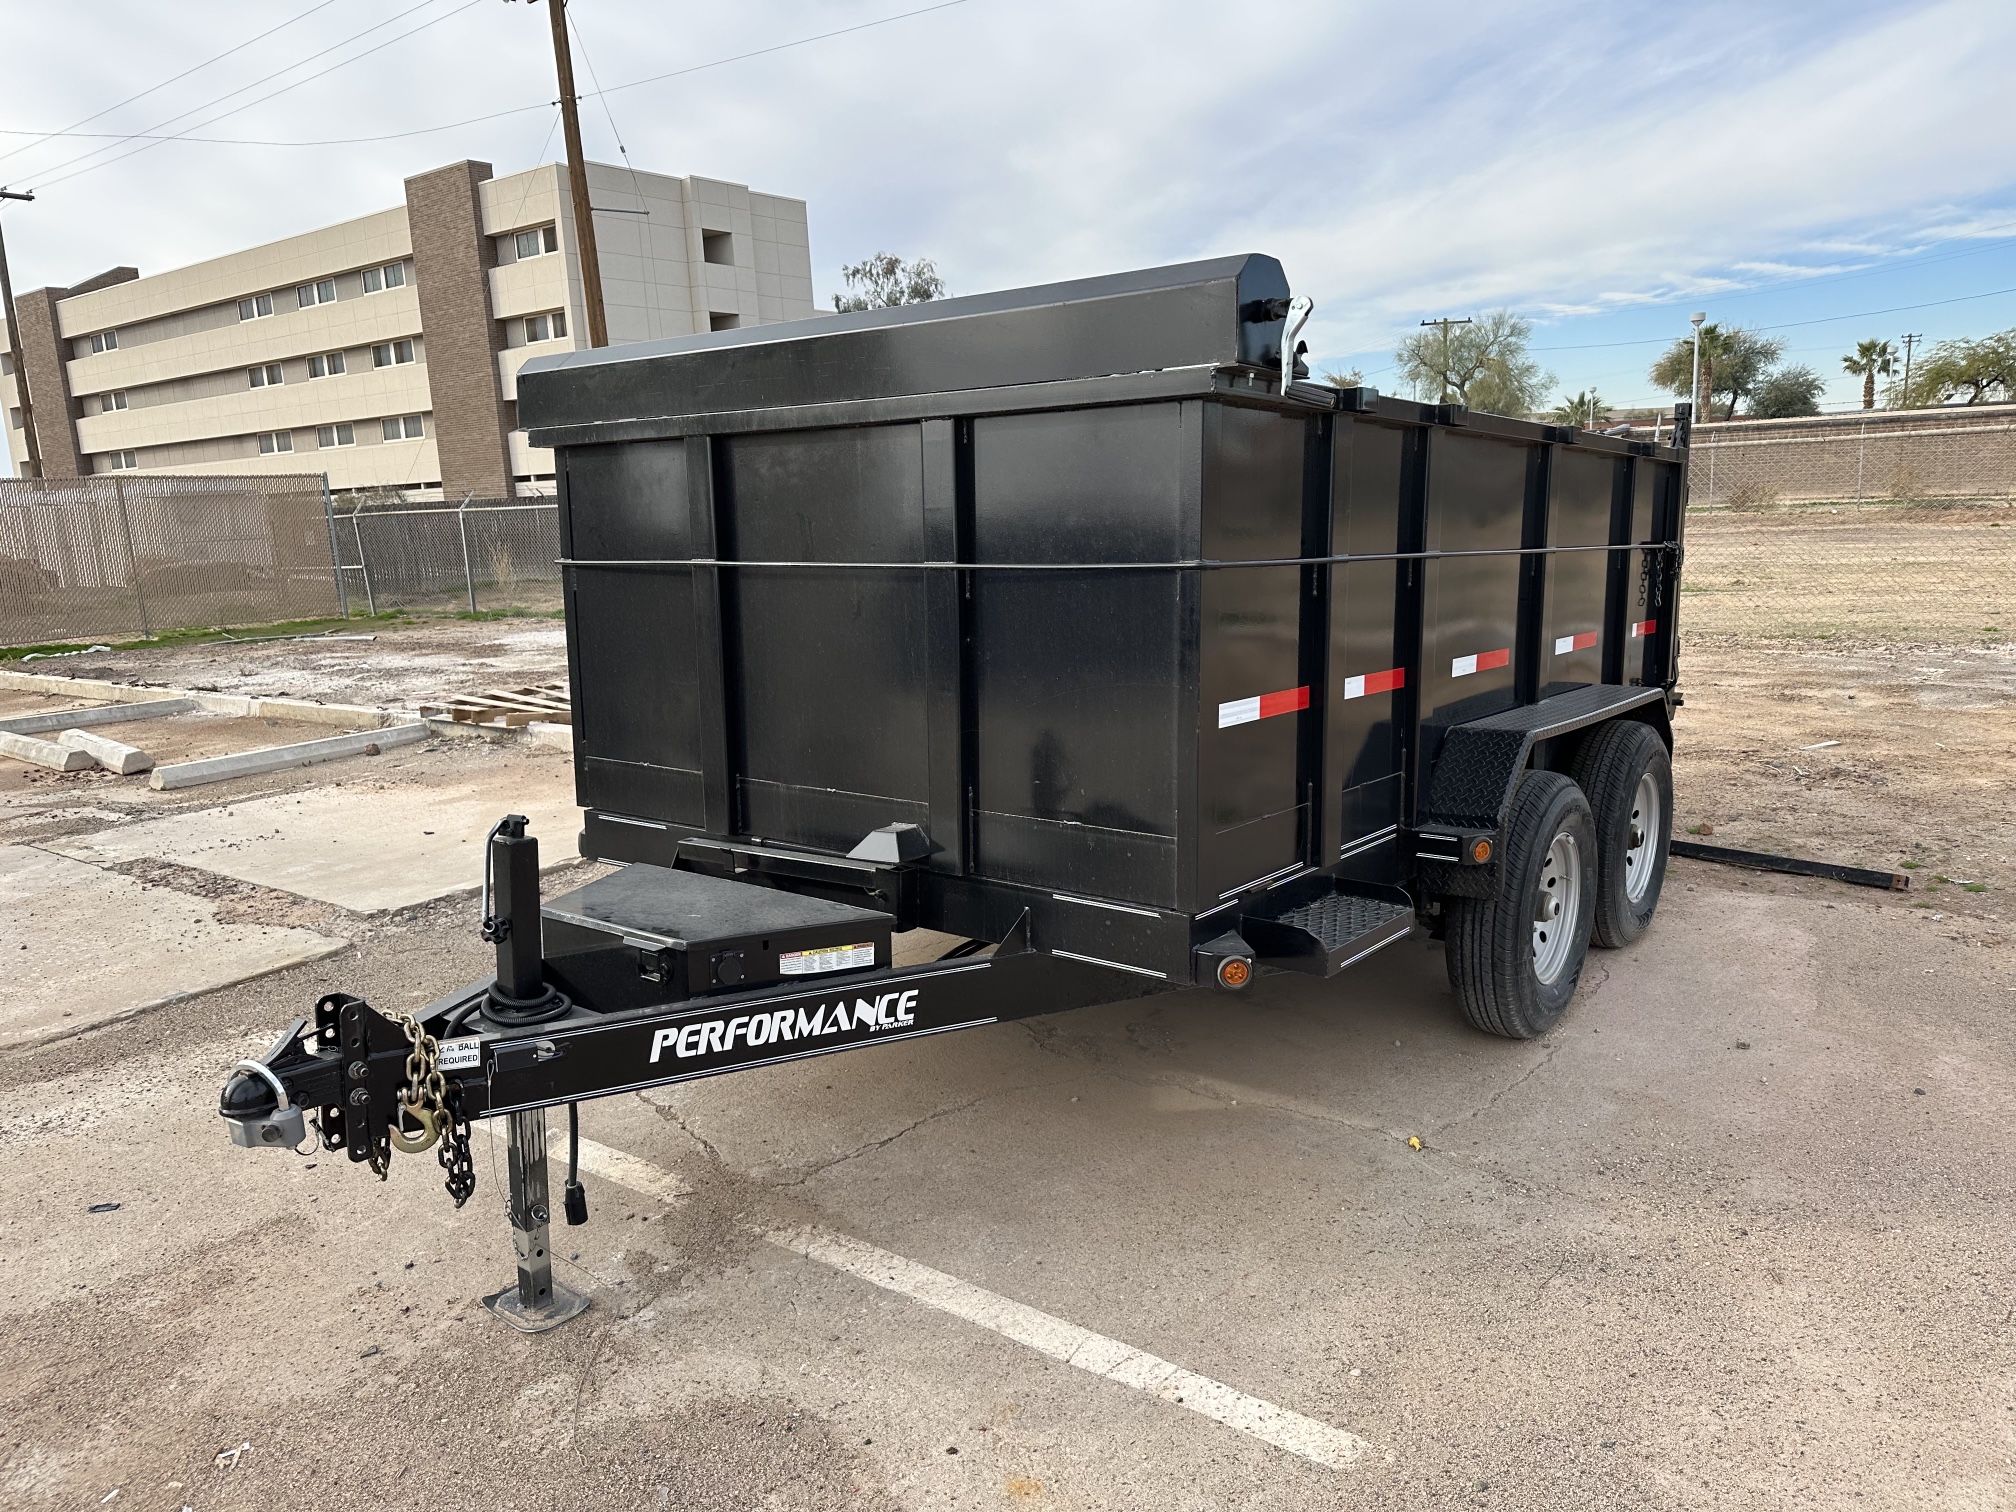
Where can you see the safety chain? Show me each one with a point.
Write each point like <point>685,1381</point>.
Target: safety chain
<point>453,1152</point>
<point>429,1103</point>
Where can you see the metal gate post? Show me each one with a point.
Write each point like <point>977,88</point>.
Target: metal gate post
<point>537,1302</point>
<point>335,551</point>
<point>462,524</point>
<point>363,565</point>
<point>132,562</point>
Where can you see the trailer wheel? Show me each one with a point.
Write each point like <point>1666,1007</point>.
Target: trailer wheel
<point>1625,770</point>
<point>1515,958</point>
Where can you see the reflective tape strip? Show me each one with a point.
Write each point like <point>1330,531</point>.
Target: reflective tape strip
<point>1246,710</point>
<point>1566,643</point>
<point>1483,661</point>
<point>1643,628</point>
<point>1375,682</point>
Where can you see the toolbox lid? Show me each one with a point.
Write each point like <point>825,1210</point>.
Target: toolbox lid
<point>684,910</point>
<point>1226,311</point>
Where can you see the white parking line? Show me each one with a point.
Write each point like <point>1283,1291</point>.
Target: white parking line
<point>1047,1335</point>
<point>1079,1347</point>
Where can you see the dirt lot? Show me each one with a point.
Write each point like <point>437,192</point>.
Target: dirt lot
<point>1918,775</point>
<point>403,666</point>
<point>1846,574</point>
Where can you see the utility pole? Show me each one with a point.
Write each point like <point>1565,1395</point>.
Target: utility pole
<point>1694,393</point>
<point>577,177</point>
<point>1911,339</point>
<point>34,457</point>
<point>1445,322</point>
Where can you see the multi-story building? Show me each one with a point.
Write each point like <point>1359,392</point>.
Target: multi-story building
<point>384,351</point>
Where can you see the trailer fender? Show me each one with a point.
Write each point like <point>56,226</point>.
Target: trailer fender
<point>1470,789</point>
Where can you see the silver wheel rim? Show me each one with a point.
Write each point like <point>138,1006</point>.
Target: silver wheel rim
<point>1642,839</point>
<point>1557,904</point>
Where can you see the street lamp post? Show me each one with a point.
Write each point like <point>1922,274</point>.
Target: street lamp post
<point>1695,392</point>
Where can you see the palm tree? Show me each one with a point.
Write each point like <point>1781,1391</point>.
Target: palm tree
<point>1586,409</point>
<point>1869,361</point>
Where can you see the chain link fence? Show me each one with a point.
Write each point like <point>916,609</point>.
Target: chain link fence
<point>1884,527</point>
<point>111,557</point>
<point>483,554</point>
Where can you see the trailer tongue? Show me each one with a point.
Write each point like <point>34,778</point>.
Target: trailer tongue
<point>1069,623</point>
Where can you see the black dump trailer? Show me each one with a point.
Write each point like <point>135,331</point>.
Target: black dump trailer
<point>1072,622</point>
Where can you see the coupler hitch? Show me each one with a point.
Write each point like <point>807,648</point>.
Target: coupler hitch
<point>374,1083</point>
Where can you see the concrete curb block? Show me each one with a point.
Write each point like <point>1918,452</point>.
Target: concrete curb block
<point>548,733</point>
<point>74,719</point>
<point>117,758</point>
<point>441,725</point>
<point>43,753</point>
<point>215,703</point>
<point>278,758</point>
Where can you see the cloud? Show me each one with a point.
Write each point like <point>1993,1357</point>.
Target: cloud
<point>1522,158</point>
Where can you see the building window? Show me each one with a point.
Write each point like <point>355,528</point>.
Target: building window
<point>320,293</point>
<point>326,365</point>
<point>717,321</point>
<point>14,416</point>
<point>536,242</point>
<point>266,375</point>
<point>545,327</point>
<point>391,276</point>
<point>104,341</point>
<point>392,353</point>
<point>256,308</point>
<point>275,441</point>
<point>122,461</point>
<point>402,427</point>
<point>116,400</point>
<point>718,247</point>
<point>343,434</point>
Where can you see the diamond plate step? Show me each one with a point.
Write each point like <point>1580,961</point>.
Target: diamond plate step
<point>1325,934</point>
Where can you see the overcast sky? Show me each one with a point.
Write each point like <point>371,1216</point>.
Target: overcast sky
<point>1604,169</point>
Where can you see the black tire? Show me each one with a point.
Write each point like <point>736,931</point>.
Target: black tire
<point>1608,768</point>
<point>1492,940</point>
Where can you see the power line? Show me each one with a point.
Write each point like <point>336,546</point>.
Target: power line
<point>653,321</point>
<point>1787,325</point>
<point>495,115</point>
<point>71,130</point>
<point>45,182</point>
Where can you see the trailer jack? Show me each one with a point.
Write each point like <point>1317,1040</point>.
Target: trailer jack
<point>536,1302</point>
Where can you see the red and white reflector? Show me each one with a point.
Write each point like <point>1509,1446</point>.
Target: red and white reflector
<point>1247,710</point>
<point>1642,628</point>
<point>1375,682</point>
<point>1483,661</point>
<point>1581,641</point>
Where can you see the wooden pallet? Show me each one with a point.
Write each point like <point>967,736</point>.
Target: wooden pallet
<point>509,707</point>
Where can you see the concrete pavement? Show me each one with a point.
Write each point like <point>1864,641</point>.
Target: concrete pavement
<point>1735,1236</point>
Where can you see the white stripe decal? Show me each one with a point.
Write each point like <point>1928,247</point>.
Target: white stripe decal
<point>1354,687</point>
<point>1239,711</point>
<point>1463,666</point>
